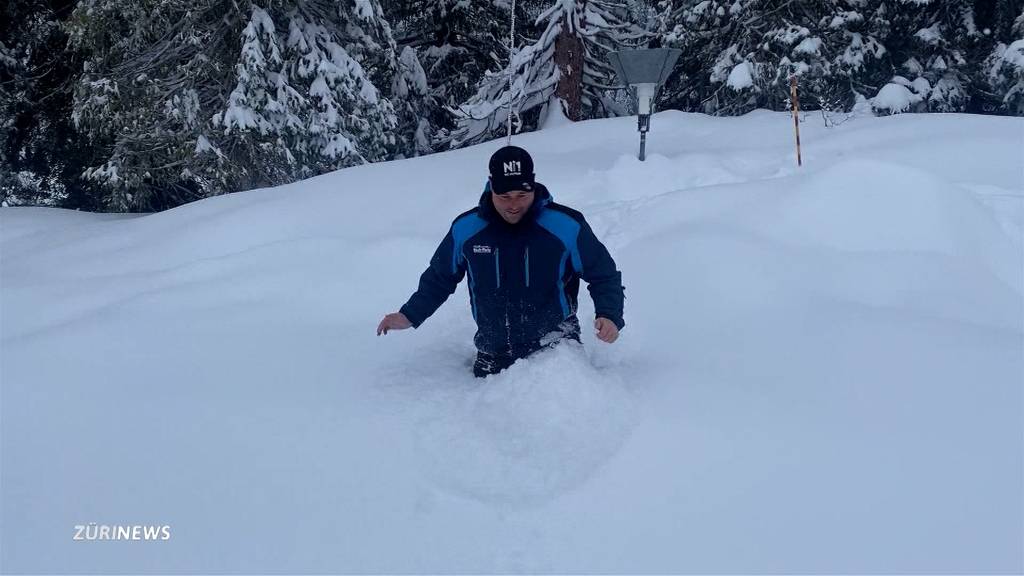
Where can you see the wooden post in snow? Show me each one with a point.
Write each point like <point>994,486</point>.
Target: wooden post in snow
<point>796,116</point>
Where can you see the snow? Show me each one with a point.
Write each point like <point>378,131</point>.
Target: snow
<point>895,98</point>
<point>931,35</point>
<point>808,46</point>
<point>554,114</point>
<point>1014,54</point>
<point>920,85</point>
<point>724,63</point>
<point>853,55</point>
<point>412,77</point>
<point>740,76</point>
<point>844,18</point>
<point>820,372</point>
<point>789,34</point>
<point>203,145</point>
<point>912,66</point>
<point>364,9</point>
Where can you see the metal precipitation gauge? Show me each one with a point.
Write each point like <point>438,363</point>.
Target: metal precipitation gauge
<point>645,71</point>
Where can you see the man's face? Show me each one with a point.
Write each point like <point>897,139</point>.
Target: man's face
<point>512,205</point>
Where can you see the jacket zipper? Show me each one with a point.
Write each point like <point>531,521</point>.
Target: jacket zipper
<point>527,266</point>
<point>497,267</point>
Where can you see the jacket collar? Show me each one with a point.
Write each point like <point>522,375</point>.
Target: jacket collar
<point>541,198</point>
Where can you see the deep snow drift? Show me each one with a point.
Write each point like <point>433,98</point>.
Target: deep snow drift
<point>821,369</point>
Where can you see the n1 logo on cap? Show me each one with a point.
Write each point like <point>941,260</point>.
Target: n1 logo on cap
<point>513,168</point>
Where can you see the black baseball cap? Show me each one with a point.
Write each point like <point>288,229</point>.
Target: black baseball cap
<point>511,169</point>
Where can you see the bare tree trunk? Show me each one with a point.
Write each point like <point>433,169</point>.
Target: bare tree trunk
<point>569,59</point>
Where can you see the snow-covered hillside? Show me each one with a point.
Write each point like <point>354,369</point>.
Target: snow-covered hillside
<point>821,370</point>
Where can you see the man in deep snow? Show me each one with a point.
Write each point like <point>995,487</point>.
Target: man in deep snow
<point>525,256</point>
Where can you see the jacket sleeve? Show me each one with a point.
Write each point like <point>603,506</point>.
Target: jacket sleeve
<point>437,282</point>
<point>603,279</point>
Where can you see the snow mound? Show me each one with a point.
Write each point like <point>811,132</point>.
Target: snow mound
<point>866,205</point>
<point>814,356</point>
<point>740,77</point>
<point>23,222</point>
<point>630,179</point>
<point>528,434</point>
<point>888,235</point>
<point>895,98</point>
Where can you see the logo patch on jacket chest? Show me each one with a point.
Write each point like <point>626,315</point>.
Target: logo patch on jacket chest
<point>480,249</point>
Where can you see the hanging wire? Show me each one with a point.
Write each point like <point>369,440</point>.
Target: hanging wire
<point>511,56</point>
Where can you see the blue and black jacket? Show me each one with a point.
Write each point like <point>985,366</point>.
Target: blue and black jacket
<point>524,278</point>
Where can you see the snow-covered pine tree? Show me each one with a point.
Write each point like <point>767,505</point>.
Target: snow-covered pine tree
<point>41,154</point>
<point>645,14</point>
<point>1002,73</point>
<point>190,98</point>
<point>929,43</point>
<point>413,105</point>
<point>301,96</point>
<point>858,59</point>
<point>17,185</point>
<point>919,55</point>
<point>453,42</point>
<point>739,54</point>
<point>565,67</point>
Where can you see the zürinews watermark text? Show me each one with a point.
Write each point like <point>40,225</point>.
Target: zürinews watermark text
<point>93,531</point>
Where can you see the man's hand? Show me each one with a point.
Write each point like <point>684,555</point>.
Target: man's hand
<point>606,330</point>
<point>394,321</point>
